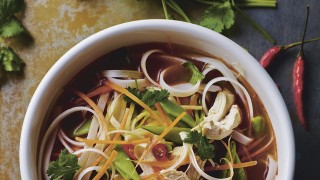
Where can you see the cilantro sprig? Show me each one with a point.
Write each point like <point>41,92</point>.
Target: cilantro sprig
<point>64,167</point>
<point>196,74</point>
<point>149,97</point>
<point>219,15</point>
<point>10,26</point>
<point>205,150</point>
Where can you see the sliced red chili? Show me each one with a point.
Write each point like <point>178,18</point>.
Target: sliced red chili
<point>159,151</point>
<point>129,149</point>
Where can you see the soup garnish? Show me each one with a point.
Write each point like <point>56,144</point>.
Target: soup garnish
<point>158,111</point>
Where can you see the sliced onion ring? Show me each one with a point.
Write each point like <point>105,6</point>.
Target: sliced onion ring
<point>188,89</point>
<point>241,138</point>
<point>122,74</point>
<point>235,82</point>
<point>144,66</point>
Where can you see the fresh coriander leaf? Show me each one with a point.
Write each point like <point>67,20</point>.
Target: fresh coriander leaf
<point>64,167</point>
<point>239,173</point>
<point>9,60</point>
<point>133,91</point>
<point>205,150</point>
<point>11,27</point>
<point>149,97</point>
<point>196,74</point>
<point>218,17</point>
<point>9,8</point>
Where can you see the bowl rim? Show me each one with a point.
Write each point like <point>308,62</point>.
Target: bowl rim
<point>285,123</point>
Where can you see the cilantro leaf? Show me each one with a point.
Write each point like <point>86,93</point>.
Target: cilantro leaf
<point>196,74</point>
<point>11,27</point>
<point>9,60</point>
<point>64,167</point>
<point>218,17</point>
<point>149,97</point>
<point>9,8</point>
<point>205,150</point>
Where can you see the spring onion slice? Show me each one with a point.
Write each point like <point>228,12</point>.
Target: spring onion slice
<point>144,66</point>
<point>90,150</point>
<point>232,81</point>
<point>241,138</point>
<point>184,90</point>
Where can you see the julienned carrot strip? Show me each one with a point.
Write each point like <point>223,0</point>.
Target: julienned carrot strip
<point>116,136</point>
<point>97,91</point>
<point>229,151</point>
<point>92,141</point>
<point>162,114</point>
<point>104,168</point>
<point>133,97</point>
<point>95,108</point>
<point>226,166</point>
<point>164,133</point>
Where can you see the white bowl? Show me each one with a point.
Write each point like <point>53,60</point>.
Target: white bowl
<point>154,31</point>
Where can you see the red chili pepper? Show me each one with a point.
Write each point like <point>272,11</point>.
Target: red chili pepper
<point>128,148</point>
<point>298,71</point>
<point>269,56</point>
<point>159,151</point>
<point>298,74</point>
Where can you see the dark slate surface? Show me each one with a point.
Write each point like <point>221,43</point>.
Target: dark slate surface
<point>286,24</point>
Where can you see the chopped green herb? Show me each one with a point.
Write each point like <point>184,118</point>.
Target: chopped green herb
<point>9,60</point>
<point>9,7</point>
<point>205,150</point>
<point>218,17</point>
<point>64,167</point>
<point>11,27</point>
<point>196,74</point>
<point>149,97</point>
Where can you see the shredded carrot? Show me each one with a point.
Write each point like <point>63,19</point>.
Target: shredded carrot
<point>164,133</point>
<point>162,114</point>
<point>116,136</point>
<point>93,141</point>
<point>133,97</point>
<point>95,108</point>
<point>226,166</point>
<point>191,107</point>
<point>228,149</point>
<point>97,91</point>
<point>104,168</point>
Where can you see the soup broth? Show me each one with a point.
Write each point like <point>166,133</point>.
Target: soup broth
<point>145,93</point>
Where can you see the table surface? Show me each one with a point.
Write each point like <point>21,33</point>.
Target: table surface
<point>58,25</point>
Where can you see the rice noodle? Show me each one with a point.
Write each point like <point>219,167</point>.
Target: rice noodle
<point>216,64</point>
<point>90,150</point>
<point>52,128</point>
<point>89,169</point>
<point>272,168</point>
<point>241,138</point>
<point>63,142</point>
<point>235,82</point>
<point>182,90</point>
<point>65,137</point>
<point>144,66</point>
